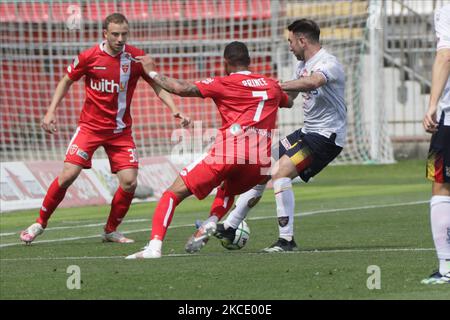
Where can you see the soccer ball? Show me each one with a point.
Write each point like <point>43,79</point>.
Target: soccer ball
<point>240,238</point>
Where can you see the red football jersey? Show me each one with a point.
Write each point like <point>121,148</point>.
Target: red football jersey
<point>109,83</point>
<point>248,104</point>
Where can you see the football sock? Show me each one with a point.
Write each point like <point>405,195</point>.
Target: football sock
<point>119,207</point>
<point>284,197</point>
<point>221,204</point>
<point>55,194</point>
<point>440,226</point>
<point>154,245</point>
<point>243,205</point>
<point>163,215</point>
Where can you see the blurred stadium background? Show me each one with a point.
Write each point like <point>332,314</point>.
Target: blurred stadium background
<point>387,48</point>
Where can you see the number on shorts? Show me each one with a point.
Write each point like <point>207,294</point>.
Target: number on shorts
<point>133,155</point>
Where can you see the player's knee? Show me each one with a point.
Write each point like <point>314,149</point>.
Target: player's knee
<point>129,185</point>
<point>66,178</point>
<point>253,201</point>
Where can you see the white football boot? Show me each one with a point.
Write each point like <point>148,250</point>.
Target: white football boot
<point>151,251</point>
<point>200,236</point>
<point>117,237</point>
<point>29,234</point>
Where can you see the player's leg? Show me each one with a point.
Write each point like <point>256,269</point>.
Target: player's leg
<point>249,199</point>
<point>244,204</point>
<point>438,160</point>
<point>78,156</point>
<point>124,161</point>
<point>285,202</point>
<point>55,194</point>
<point>306,158</point>
<point>440,227</point>
<point>162,218</point>
<point>201,178</point>
<point>221,205</point>
<point>120,204</point>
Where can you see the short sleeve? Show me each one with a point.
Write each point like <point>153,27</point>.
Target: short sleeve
<point>77,68</point>
<point>330,69</point>
<point>210,87</point>
<point>442,27</point>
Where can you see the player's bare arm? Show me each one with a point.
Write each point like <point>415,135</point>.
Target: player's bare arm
<point>166,98</point>
<point>440,74</point>
<point>49,121</point>
<point>175,86</point>
<point>305,84</point>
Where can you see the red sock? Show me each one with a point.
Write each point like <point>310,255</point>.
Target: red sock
<point>55,194</point>
<point>221,204</point>
<point>119,208</point>
<point>163,215</point>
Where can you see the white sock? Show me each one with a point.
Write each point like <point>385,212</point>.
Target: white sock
<point>285,200</point>
<point>242,206</point>
<point>440,226</point>
<point>154,245</point>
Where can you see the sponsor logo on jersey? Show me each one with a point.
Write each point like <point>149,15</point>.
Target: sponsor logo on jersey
<point>99,68</point>
<point>104,85</point>
<point>82,154</point>
<point>73,149</point>
<point>76,61</point>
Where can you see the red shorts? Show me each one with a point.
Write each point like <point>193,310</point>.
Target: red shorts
<point>203,175</point>
<point>119,147</point>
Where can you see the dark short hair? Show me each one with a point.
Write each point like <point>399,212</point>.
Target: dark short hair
<point>307,27</point>
<point>236,53</point>
<point>117,18</point>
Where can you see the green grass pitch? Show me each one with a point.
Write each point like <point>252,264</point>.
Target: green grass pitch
<point>348,218</point>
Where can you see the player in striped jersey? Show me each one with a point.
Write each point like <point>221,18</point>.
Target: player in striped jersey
<point>111,75</point>
<point>437,122</point>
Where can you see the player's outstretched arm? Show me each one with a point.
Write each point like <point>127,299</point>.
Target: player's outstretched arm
<point>49,121</point>
<point>439,77</point>
<point>305,84</point>
<point>175,86</point>
<point>166,98</point>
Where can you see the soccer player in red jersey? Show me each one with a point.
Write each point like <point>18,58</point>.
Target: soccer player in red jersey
<point>111,74</point>
<point>248,105</point>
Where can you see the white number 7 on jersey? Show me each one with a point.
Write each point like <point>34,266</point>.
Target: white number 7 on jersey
<point>263,95</point>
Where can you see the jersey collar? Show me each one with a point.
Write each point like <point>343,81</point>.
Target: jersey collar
<point>101,46</point>
<point>316,57</point>
<point>246,72</point>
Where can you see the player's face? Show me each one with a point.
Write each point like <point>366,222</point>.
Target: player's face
<point>116,36</point>
<point>297,45</point>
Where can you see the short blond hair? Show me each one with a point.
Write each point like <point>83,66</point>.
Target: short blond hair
<point>117,18</point>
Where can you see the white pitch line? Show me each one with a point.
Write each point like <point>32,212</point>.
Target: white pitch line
<point>79,226</point>
<point>251,218</point>
<point>87,237</point>
<point>247,253</point>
